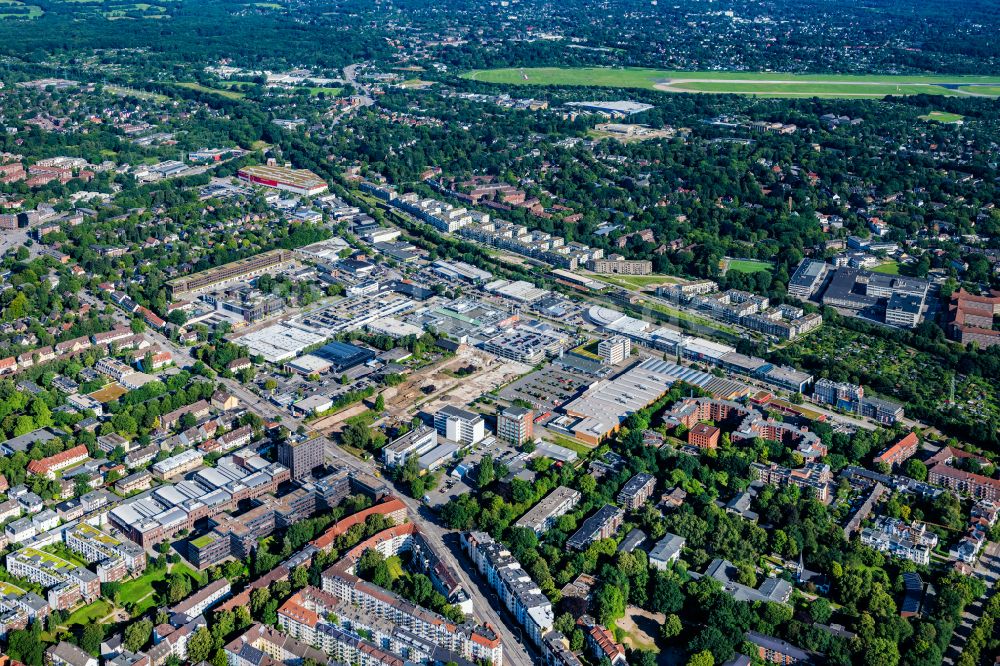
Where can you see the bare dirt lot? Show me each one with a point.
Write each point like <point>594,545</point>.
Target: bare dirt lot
<point>456,381</point>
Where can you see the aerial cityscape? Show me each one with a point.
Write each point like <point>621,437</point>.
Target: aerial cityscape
<point>499,333</point>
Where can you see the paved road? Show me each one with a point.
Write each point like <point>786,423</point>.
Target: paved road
<point>486,606</point>
<point>988,569</point>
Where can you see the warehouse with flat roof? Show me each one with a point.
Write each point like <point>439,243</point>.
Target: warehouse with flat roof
<point>296,181</point>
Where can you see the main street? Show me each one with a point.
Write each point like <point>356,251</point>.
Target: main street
<point>487,606</point>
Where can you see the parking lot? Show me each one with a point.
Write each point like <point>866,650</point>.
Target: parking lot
<point>547,388</point>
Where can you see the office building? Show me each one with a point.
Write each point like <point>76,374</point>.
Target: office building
<point>614,350</point>
<point>301,457</point>
<point>515,424</point>
<point>459,425</point>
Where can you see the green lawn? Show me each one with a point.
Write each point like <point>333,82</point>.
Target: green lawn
<point>889,268</point>
<point>770,84</point>
<point>981,90</point>
<point>191,85</point>
<point>581,449</point>
<point>88,614</point>
<point>34,11</point>
<point>134,590</point>
<point>946,117</point>
<point>813,89</point>
<point>330,92</point>
<point>635,281</point>
<point>746,265</point>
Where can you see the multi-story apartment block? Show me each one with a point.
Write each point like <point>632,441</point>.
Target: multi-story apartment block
<point>911,542</point>
<point>941,473</point>
<point>636,491</point>
<point>520,594</point>
<point>114,558</point>
<point>540,517</point>
<point>515,424</point>
<point>899,452</point>
<point>203,599</point>
<point>601,525</point>
<point>68,583</point>
<point>468,640</point>
<point>459,425</point>
<point>48,467</point>
<point>813,475</point>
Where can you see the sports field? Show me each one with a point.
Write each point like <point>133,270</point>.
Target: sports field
<point>745,265</point>
<point>943,117</point>
<point>763,84</point>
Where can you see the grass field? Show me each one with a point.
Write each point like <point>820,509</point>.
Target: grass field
<point>981,90</point>
<point>634,281</point>
<point>88,614</point>
<point>944,116</point>
<point>888,268</point>
<point>134,92</point>
<point>15,9</point>
<point>745,265</point>
<point>191,85</point>
<point>766,84</point>
<point>138,591</point>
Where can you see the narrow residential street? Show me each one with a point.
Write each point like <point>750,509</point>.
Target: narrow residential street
<point>988,569</point>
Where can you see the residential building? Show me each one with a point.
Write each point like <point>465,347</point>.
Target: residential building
<point>666,551</point>
<point>813,475</point>
<point>910,542</point>
<point>67,654</point>
<point>899,452</point>
<point>942,473</point>
<point>519,593</point>
<point>704,436</point>
<point>776,651</point>
<point>601,525</point>
<point>203,599</point>
<point>540,517</point>
<point>48,467</point>
<point>636,491</point>
<point>775,590</point>
<point>601,642</point>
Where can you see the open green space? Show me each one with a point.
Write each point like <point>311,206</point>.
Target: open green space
<point>191,85</point>
<point>981,90</point>
<point>134,92</point>
<point>767,84</point>
<point>84,615</point>
<point>139,591</point>
<point>812,89</point>
<point>330,92</point>
<point>746,265</point>
<point>946,117</point>
<point>635,281</point>
<point>888,268</point>
<point>579,447</point>
<point>13,9</point>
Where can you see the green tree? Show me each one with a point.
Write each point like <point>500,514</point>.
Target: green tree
<point>199,646</point>
<point>137,634</point>
<point>703,658</point>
